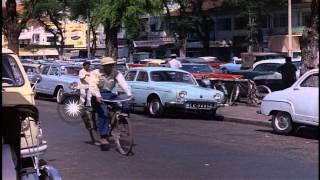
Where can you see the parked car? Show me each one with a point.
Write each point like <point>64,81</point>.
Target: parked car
<point>212,61</point>
<point>158,89</point>
<point>234,65</point>
<point>294,106</point>
<point>265,72</point>
<point>31,70</point>
<point>57,79</point>
<point>248,59</point>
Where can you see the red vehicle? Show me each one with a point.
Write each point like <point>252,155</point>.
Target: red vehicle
<point>200,71</point>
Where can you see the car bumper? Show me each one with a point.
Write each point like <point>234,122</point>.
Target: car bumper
<point>37,150</point>
<point>183,106</point>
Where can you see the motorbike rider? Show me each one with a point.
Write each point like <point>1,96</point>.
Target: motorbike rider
<point>84,75</point>
<point>102,82</point>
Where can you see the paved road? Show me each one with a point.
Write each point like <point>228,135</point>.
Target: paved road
<point>177,148</point>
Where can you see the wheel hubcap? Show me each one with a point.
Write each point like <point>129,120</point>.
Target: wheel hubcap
<point>154,107</point>
<point>282,123</point>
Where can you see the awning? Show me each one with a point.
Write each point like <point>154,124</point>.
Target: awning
<point>280,43</point>
<point>40,52</point>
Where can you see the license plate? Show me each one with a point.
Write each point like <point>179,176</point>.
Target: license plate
<point>199,105</point>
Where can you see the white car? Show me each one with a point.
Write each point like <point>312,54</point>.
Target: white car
<point>294,106</point>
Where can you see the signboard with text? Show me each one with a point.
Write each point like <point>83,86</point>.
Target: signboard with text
<point>75,34</point>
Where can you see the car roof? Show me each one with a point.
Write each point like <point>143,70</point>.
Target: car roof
<point>149,69</point>
<point>276,61</point>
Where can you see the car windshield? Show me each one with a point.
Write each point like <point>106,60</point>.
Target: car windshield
<point>267,67</point>
<point>72,71</point>
<point>198,69</point>
<point>11,74</point>
<point>172,76</point>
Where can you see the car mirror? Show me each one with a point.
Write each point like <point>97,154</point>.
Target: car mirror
<point>36,79</point>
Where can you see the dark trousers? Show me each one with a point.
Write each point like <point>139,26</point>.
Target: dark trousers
<point>102,111</point>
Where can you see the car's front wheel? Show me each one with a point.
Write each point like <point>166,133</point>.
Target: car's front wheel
<point>282,123</point>
<point>155,107</point>
<point>59,95</point>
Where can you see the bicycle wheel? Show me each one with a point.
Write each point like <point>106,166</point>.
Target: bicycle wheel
<point>121,132</point>
<point>234,95</point>
<point>262,91</point>
<point>221,87</point>
<point>70,110</point>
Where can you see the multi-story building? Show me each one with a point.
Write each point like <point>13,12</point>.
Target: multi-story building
<point>229,36</point>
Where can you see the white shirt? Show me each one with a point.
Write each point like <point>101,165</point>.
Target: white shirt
<point>175,64</point>
<point>84,79</point>
<point>95,83</point>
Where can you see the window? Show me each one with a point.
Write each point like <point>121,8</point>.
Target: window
<point>143,76</point>
<point>45,70</point>
<point>36,38</point>
<point>172,76</point>
<point>240,23</point>
<point>311,81</point>
<point>224,24</point>
<point>31,70</point>
<point>54,71</point>
<point>267,67</point>
<point>11,74</point>
<point>131,75</point>
<point>305,18</point>
<point>280,20</point>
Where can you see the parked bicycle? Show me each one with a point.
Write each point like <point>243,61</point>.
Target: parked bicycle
<point>72,111</point>
<point>240,88</point>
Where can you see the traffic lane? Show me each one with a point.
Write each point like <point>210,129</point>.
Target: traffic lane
<point>178,148</point>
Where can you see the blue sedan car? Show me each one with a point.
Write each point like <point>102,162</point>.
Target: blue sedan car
<point>158,89</point>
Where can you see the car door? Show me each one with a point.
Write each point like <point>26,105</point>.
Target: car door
<point>42,86</point>
<point>305,98</point>
<point>141,87</point>
<point>53,78</point>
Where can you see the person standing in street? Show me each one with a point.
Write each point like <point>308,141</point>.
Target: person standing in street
<point>174,63</point>
<point>84,75</point>
<point>102,82</point>
<point>288,72</point>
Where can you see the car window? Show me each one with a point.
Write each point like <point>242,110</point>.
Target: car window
<point>267,67</point>
<point>11,74</point>
<point>31,70</point>
<point>54,70</point>
<point>72,71</point>
<point>197,69</point>
<point>131,75</point>
<point>311,81</point>
<point>172,76</point>
<point>143,76</point>
<point>45,70</point>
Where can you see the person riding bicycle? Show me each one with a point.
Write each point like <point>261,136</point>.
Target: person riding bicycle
<point>102,82</point>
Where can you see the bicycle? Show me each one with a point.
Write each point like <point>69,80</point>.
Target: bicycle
<point>120,125</point>
<point>253,93</point>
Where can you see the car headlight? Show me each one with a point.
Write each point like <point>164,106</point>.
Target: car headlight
<point>73,86</point>
<point>217,97</point>
<point>25,124</point>
<point>182,94</point>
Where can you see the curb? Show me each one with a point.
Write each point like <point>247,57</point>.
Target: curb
<point>247,121</point>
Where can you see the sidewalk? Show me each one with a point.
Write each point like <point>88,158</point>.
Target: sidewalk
<point>245,114</point>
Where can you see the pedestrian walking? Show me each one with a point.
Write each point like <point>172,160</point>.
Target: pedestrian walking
<point>288,72</point>
<point>174,63</point>
<point>84,75</point>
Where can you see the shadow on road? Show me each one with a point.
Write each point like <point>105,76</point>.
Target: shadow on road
<point>45,98</point>
<point>302,132</point>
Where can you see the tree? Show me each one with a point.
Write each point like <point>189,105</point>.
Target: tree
<point>14,21</point>
<point>309,41</point>
<point>50,14</point>
<point>117,14</point>
<point>77,12</point>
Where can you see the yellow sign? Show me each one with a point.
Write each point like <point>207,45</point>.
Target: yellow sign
<point>75,34</point>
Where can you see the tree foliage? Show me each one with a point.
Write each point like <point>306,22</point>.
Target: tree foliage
<point>14,21</point>
<point>50,14</point>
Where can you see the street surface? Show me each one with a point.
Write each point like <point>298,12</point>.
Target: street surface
<point>178,148</point>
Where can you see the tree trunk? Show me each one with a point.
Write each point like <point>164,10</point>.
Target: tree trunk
<point>183,48</point>
<point>206,46</point>
<point>94,43</point>
<point>13,39</point>
<point>309,41</point>
<point>111,42</point>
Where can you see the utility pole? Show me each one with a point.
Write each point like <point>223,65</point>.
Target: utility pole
<point>290,53</point>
